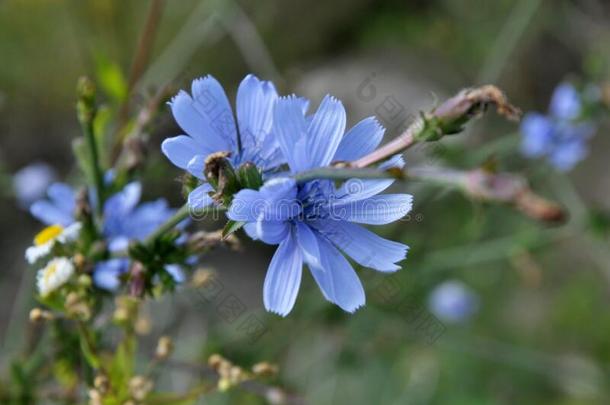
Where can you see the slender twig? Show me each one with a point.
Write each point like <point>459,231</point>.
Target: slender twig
<point>448,118</point>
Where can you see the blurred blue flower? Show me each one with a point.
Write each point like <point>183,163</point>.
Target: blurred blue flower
<point>312,221</point>
<point>30,182</point>
<point>124,220</point>
<point>562,135</point>
<point>207,119</point>
<point>453,301</point>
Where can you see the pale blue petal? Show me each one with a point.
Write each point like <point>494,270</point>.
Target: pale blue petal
<point>197,117</point>
<point>537,133</point>
<point>325,132</point>
<point>50,214</point>
<point>196,166</point>
<point>211,102</point>
<point>364,246</point>
<point>283,278</point>
<point>376,210</point>
<point>362,139</point>
<point>199,198</point>
<point>290,126</point>
<point>566,155</point>
<point>180,150</point>
<point>106,274</point>
<point>337,279</point>
<point>176,272</point>
<point>247,206</point>
<point>565,103</point>
<point>255,100</point>
<point>272,232</point>
<point>62,195</point>
<point>118,243</point>
<point>308,243</point>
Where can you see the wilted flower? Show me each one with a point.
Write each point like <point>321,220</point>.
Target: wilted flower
<point>561,136</point>
<point>310,221</point>
<point>55,274</point>
<point>207,119</point>
<point>453,301</point>
<point>30,183</point>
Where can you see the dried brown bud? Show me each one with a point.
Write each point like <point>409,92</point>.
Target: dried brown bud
<point>139,387</point>
<point>264,369</point>
<point>202,277</point>
<point>137,281</point>
<point>164,347</point>
<point>101,383</point>
<point>38,315</point>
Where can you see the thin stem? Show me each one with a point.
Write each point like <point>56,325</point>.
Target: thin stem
<point>98,177</point>
<point>448,118</point>
<point>170,224</point>
<point>178,217</point>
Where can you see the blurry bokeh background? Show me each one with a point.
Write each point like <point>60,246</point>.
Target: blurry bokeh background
<point>535,328</point>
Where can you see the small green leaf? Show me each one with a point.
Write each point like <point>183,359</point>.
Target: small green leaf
<point>231,227</point>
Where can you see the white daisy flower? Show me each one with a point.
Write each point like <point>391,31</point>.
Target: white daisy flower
<point>45,239</point>
<point>55,274</point>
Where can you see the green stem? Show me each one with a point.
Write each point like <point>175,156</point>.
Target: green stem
<point>170,224</point>
<point>98,177</point>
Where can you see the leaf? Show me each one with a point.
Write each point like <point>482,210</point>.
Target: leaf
<point>231,227</point>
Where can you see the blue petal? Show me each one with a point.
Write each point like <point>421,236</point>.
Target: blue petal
<point>337,279</point>
<point>290,127</point>
<point>106,274</point>
<point>176,272</point>
<point>325,132</point>
<point>122,203</point>
<point>361,140</point>
<point>206,117</point>
<point>272,232</point>
<point>50,214</point>
<point>62,195</point>
<point>537,135</point>
<point>308,242</point>
<point>196,166</point>
<point>364,246</point>
<point>246,206</point>
<point>147,217</point>
<point>565,103</point>
<point>199,198</point>
<point>283,278</point>
<point>255,100</point>
<point>566,155</point>
<point>180,150</point>
<point>31,182</point>
<point>358,189</point>
<point>376,210</point>
<point>212,102</point>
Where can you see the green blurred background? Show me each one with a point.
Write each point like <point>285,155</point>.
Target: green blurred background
<point>541,333</point>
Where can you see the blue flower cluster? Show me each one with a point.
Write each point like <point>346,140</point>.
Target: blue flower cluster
<point>317,222</point>
<point>124,220</point>
<point>562,135</point>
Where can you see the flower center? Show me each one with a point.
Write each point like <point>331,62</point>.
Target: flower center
<point>48,234</point>
<point>49,271</point>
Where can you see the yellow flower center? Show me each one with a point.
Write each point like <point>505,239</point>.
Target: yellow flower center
<point>48,234</point>
<point>49,271</point>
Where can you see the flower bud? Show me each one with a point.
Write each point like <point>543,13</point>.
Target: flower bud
<point>164,347</point>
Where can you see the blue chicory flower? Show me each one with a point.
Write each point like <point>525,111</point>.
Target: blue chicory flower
<point>124,220</point>
<point>453,302</point>
<point>207,119</point>
<point>30,183</point>
<point>310,222</point>
<point>562,135</point>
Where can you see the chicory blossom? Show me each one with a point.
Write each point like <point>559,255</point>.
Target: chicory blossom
<point>453,301</point>
<point>316,222</point>
<point>562,135</point>
<point>207,119</point>
<point>124,220</point>
<point>30,183</point>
